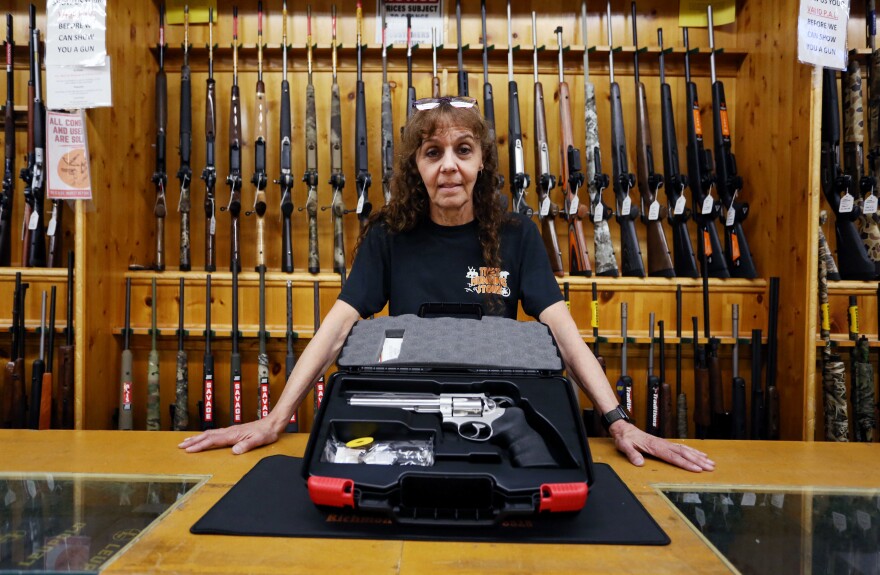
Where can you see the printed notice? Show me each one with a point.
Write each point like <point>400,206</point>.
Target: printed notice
<point>76,32</point>
<point>67,157</point>
<point>694,13</point>
<point>75,87</point>
<point>822,33</point>
<point>426,15</point>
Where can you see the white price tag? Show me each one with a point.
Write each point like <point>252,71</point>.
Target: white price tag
<point>599,213</point>
<point>213,225</point>
<point>691,498</point>
<point>625,208</point>
<point>545,206</point>
<point>846,204</point>
<point>360,206</point>
<point>701,516</point>
<point>654,211</point>
<point>573,206</point>
<point>33,221</point>
<point>748,500</point>
<point>680,205</point>
<point>50,229</point>
<point>10,498</point>
<point>708,204</point>
<point>839,520</point>
<point>863,519</point>
<point>31,488</point>
<point>731,216</point>
<point>726,500</point>
<point>50,481</point>
<point>777,499</point>
<point>870,206</point>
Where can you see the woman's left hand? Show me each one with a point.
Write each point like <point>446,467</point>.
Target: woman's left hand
<point>633,442</point>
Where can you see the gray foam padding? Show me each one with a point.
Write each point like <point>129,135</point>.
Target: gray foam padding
<point>487,343</point>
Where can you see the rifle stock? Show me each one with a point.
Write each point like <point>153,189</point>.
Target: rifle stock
<point>310,177</point>
<point>337,177</point>
<point>6,199</point>
<point>160,176</point>
<point>184,174</point>
<point>234,179</point>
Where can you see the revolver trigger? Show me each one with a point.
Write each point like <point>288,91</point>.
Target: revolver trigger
<point>475,430</point>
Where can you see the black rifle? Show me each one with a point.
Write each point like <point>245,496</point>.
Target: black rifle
<point>14,367</point>
<point>410,88</point>
<point>285,179</point>
<point>547,210</point>
<point>45,398</point>
<point>319,385</point>
<point>622,179</point>
<point>264,399</point>
<point>310,177</point>
<point>462,73</point>
<point>209,174</point>
<point>19,385</point>
<point>206,409</point>
<point>38,368</point>
<point>738,405</point>
<point>37,246</point>
<point>290,359</point>
<point>387,119</point>
<point>160,176</point>
<point>337,177</point>
<point>180,409</point>
<point>702,181</point>
<point>720,419</point>
<point>771,396</point>
<point>154,414</point>
<point>363,179</point>
<point>681,407</point>
<point>873,109</point>
<point>624,385</point>
<point>488,96</point>
<point>27,172</point>
<point>758,416</point>
<point>675,182</point>
<point>702,405</point>
<point>233,180</point>
<point>519,180</point>
<point>652,407</point>
<point>571,177</point>
<point>9,151</point>
<point>64,408</point>
<point>667,421</point>
<point>126,420</point>
<point>730,184</point>
<point>184,174</point>
<point>650,182</point>
<point>260,179</point>
<point>235,392</point>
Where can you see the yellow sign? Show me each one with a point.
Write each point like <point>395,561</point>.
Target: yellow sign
<point>692,13</point>
<point>198,11</point>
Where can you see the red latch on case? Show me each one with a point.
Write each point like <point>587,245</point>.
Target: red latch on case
<point>331,491</point>
<point>557,497</point>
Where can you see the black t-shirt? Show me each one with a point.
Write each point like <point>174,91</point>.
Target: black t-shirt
<point>434,263</point>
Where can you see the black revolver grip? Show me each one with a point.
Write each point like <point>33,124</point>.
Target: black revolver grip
<point>526,446</point>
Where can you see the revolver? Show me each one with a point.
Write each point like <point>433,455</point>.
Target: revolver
<point>476,416</point>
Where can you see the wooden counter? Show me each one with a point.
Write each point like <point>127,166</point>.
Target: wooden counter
<point>170,548</point>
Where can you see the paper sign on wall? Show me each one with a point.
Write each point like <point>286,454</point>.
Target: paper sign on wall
<point>76,32</point>
<point>74,87</point>
<point>67,157</point>
<point>426,14</point>
<point>822,33</point>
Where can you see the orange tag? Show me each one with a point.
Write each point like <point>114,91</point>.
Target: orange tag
<point>725,126</point>
<point>707,245</point>
<point>698,123</point>
<point>734,247</point>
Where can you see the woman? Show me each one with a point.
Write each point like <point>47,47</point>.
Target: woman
<point>444,237</point>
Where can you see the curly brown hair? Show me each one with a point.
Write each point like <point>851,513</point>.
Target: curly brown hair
<point>410,204</point>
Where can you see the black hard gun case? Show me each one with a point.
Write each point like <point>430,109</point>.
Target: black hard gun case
<point>536,461</point>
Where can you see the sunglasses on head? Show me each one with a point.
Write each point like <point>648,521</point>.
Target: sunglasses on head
<point>454,101</point>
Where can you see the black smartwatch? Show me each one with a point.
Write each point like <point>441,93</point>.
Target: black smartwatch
<point>614,415</point>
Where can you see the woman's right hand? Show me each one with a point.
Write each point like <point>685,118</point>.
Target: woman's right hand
<point>242,438</point>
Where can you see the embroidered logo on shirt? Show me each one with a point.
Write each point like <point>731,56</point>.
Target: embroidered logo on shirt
<point>487,280</point>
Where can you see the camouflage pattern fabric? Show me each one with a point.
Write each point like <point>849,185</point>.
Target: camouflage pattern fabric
<point>153,408</point>
<point>825,251</point>
<point>834,387</point>
<point>863,392</point>
<point>181,403</point>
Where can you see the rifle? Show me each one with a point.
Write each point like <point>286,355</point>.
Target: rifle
<point>9,149</point>
<point>263,399</point>
<point>833,374</point>
<point>180,409</point>
<point>209,174</point>
<point>27,172</point>
<point>207,407</point>
<point>597,180</point>
<point>699,165</point>
<point>572,178</point>
<point>411,89</point>
<point>319,385</point>
<point>310,177</point>
<point>772,394</point>
<point>64,409</point>
<point>489,102</point>
<point>363,179</point>
<point>873,115</point>
<point>19,387</point>
<point>235,393</point>
<point>462,73</point>
<point>184,174</point>
<point>652,407</point>
<point>729,182</point>
<point>719,419</point>
<point>387,118</point>
<point>37,246</point>
<point>650,182</point>
<point>285,180</point>
<point>154,416</point>
<point>738,405</point>
<point>825,252</point>
<point>547,210</point>
<point>233,180</point>
<point>15,366</point>
<point>757,416</point>
<point>862,392</point>
<point>160,176</point>
<point>519,180</point>
<point>667,425</point>
<point>259,179</point>
<point>337,178</point>
<point>435,80</point>
<point>681,406</point>
<point>290,360</point>
<point>702,405</point>
<point>678,213</point>
<point>624,385</point>
<point>45,399</point>
<point>126,422</point>
<point>623,180</point>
